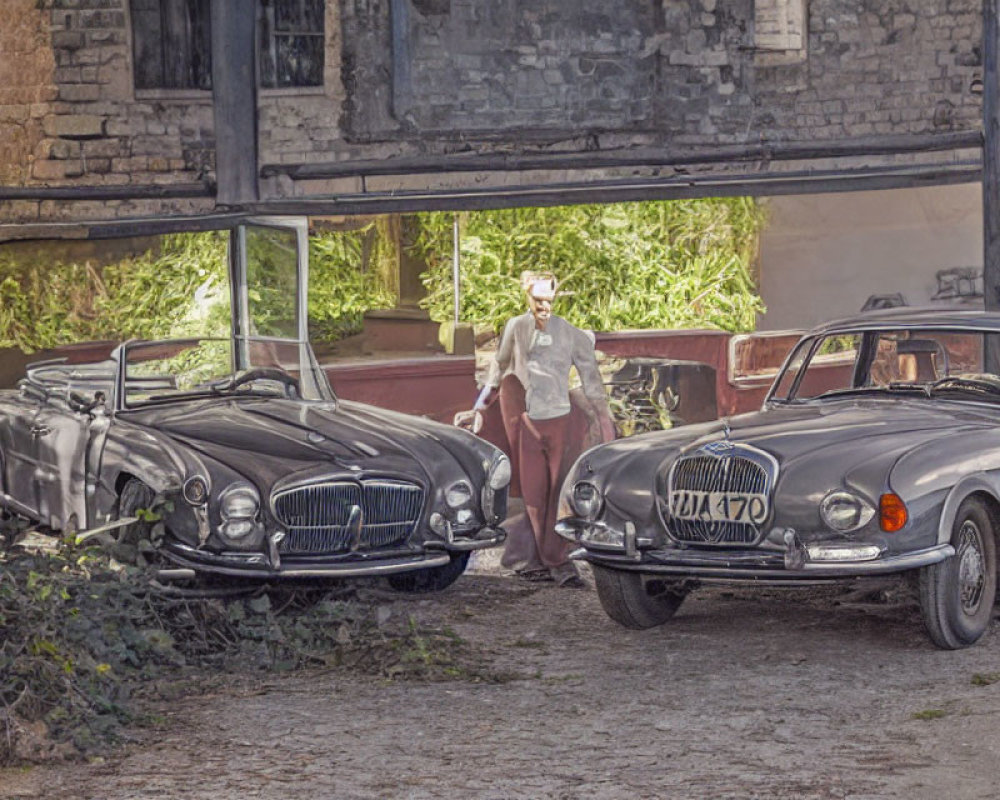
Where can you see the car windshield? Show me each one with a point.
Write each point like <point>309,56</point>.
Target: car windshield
<point>161,371</point>
<point>929,362</point>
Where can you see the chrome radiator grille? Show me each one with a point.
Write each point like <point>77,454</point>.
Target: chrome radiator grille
<point>341,516</point>
<point>716,471</point>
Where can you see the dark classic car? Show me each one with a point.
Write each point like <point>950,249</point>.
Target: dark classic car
<point>877,451</point>
<point>240,447</point>
<point>257,472</point>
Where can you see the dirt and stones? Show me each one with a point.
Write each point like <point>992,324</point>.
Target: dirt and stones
<point>807,694</point>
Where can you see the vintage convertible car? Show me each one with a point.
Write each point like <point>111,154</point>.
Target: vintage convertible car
<point>258,472</point>
<point>877,451</point>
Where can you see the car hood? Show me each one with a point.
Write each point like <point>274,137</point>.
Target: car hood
<point>267,440</point>
<point>793,433</point>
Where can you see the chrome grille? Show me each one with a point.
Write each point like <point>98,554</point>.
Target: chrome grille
<point>339,516</point>
<point>721,467</point>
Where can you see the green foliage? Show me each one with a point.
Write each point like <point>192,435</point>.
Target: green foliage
<point>341,290</point>
<point>669,264</point>
<point>179,290</point>
<point>182,289</point>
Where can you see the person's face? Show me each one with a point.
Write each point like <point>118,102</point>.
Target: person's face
<point>541,309</point>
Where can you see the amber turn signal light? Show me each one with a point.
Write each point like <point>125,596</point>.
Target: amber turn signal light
<point>891,512</point>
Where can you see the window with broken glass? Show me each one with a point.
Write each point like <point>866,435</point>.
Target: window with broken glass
<point>172,43</point>
<point>291,40</point>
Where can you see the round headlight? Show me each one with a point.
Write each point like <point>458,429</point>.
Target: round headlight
<point>499,472</point>
<point>586,500</point>
<point>846,511</point>
<point>195,490</point>
<point>239,501</point>
<point>458,494</point>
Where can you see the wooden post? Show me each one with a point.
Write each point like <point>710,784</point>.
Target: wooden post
<point>991,156</point>
<point>234,96</point>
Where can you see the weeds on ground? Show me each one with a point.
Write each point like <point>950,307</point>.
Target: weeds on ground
<point>85,642</point>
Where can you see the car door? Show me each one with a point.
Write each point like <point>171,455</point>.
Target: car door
<point>60,438</point>
<point>20,461</point>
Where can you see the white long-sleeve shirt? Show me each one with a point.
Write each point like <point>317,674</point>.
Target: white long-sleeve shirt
<point>541,361</point>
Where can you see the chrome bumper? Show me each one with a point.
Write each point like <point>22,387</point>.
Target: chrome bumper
<point>759,567</point>
<point>793,564</point>
<point>358,564</point>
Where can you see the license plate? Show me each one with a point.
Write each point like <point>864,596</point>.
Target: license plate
<point>719,506</point>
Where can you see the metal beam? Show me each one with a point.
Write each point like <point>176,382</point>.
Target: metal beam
<point>635,189</point>
<point>234,97</point>
<point>633,157</point>
<point>991,156</point>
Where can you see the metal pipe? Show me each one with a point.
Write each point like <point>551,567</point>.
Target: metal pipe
<point>632,157</point>
<point>455,259</point>
<point>99,193</point>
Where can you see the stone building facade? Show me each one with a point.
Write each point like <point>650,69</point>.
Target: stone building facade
<point>364,97</point>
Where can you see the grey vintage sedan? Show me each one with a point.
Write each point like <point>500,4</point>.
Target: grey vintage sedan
<point>255,467</point>
<point>877,451</point>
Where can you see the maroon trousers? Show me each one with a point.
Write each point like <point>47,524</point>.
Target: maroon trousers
<point>541,446</point>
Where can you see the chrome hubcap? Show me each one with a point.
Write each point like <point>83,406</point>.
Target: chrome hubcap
<point>971,569</point>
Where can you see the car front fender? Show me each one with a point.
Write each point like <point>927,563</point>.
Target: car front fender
<point>981,482</point>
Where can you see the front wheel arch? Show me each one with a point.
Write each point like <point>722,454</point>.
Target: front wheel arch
<point>957,595</point>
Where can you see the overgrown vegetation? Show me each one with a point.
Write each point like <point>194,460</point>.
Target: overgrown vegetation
<point>670,264</point>
<point>45,303</point>
<point>179,289</point>
<point>84,643</point>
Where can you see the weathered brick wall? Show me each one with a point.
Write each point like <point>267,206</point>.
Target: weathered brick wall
<point>93,128</point>
<point>409,77</point>
<point>27,85</point>
<point>693,71</point>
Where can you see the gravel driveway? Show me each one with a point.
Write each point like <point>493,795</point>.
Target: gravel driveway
<point>818,693</point>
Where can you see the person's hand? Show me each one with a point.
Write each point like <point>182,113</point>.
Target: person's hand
<point>469,420</point>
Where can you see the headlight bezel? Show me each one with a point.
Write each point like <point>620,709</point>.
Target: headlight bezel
<point>588,508</point>
<point>499,473</point>
<point>458,494</point>
<point>236,493</point>
<point>846,511</point>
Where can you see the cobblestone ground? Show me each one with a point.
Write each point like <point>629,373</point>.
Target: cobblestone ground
<point>803,694</point>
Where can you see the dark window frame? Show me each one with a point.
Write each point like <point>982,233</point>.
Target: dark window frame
<point>172,44</point>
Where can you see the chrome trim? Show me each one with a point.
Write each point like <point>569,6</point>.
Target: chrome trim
<point>712,474</point>
<point>348,514</point>
<point>494,536</point>
<point>255,564</point>
<point>760,567</point>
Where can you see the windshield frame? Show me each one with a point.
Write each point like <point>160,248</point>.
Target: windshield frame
<point>315,390</point>
<point>801,356</point>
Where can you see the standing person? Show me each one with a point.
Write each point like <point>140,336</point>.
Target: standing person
<point>538,349</point>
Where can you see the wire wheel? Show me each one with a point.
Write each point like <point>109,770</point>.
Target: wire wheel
<point>971,566</point>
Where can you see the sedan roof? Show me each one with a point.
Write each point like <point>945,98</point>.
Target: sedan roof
<point>916,317</point>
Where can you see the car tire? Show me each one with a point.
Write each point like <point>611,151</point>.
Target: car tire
<point>134,495</point>
<point>635,600</point>
<point>957,594</point>
<point>431,579</point>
